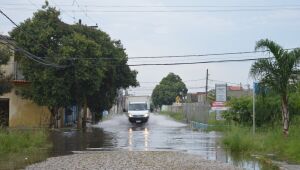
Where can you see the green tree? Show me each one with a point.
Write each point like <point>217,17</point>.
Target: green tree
<point>5,83</point>
<point>240,110</point>
<point>117,74</point>
<point>42,35</point>
<point>168,89</point>
<point>90,55</point>
<point>277,73</point>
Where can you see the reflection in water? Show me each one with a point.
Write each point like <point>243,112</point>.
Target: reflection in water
<point>146,133</point>
<point>66,141</point>
<point>132,136</point>
<point>161,133</point>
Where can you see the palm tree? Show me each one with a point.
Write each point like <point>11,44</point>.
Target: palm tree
<point>277,72</point>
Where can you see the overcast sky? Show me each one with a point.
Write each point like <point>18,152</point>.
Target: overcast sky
<point>173,27</point>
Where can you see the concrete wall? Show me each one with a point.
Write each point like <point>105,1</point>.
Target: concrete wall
<point>198,112</point>
<point>178,108</point>
<point>25,113</point>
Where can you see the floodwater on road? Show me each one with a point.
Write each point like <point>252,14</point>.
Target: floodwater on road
<point>159,134</point>
<point>162,133</point>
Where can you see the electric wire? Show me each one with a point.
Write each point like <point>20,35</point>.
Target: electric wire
<point>200,62</point>
<point>65,12</point>
<point>27,54</point>
<point>169,64</point>
<point>177,10</point>
<point>201,55</point>
<point>160,6</point>
<point>85,11</point>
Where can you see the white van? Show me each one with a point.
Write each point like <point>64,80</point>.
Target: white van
<point>138,112</point>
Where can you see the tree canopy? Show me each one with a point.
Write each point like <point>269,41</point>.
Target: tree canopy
<point>96,65</point>
<point>277,72</point>
<point>5,83</point>
<point>168,89</point>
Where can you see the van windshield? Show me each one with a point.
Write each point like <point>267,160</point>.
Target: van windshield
<point>138,106</point>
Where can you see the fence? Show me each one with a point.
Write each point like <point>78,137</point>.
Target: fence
<point>197,112</point>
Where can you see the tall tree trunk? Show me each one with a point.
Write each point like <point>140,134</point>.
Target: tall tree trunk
<point>94,117</point>
<point>53,117</point>
<point>285,114</point>
<point>84,113</point>
<point>62,117</point>
<point>79,119</point>
<point>51,123</point>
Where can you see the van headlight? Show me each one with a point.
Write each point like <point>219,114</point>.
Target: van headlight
<point>146,115</point>
<point>129,115</point>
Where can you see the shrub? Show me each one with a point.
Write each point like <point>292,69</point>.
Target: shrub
<point>16,141</point>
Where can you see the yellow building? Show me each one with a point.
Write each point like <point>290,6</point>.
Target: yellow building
<point>19,112</point>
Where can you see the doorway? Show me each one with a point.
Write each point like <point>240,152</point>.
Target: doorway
<point>4,112</point>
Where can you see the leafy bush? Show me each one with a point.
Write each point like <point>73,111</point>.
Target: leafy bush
<point>267,109</point>
<point>240,110</point>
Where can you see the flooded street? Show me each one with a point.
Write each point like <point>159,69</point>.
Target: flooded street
<point>117,134</point>
<point>159,134</point>
<point>162,133</point>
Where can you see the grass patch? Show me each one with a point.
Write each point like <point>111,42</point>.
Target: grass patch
<point>217,125</point>
<point>264,141</point>
<point>19,148</point>
<point>174,115</point>
<point>21,141</point>
<point>21,160</point>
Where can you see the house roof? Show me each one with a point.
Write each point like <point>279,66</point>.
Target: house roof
<point>235,88</point>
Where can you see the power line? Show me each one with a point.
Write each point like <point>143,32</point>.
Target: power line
<point>84,11</point>
<point>202,55</point>
<point>34,57</point>
<point>8,18</point>
<point>154,82</point>
<point>180,11</point>
<point>187,56</point>
<point>190,10</point>
<point>224,81</point>
<point>190,5</point>
<point>60,9</point>
<point>160,6</point>
<point>26,53</point>
<point>201,62</point>
<point>151,89</point>
<point>194,80</point>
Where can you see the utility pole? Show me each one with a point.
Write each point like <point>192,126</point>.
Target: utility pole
<point>206,85</point>
<point>253,116</point>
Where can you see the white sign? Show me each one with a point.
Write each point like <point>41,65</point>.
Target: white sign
<point>219,108</point>
<point>221,92</point>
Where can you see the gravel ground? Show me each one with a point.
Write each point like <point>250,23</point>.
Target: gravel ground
<point>132,160</point>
